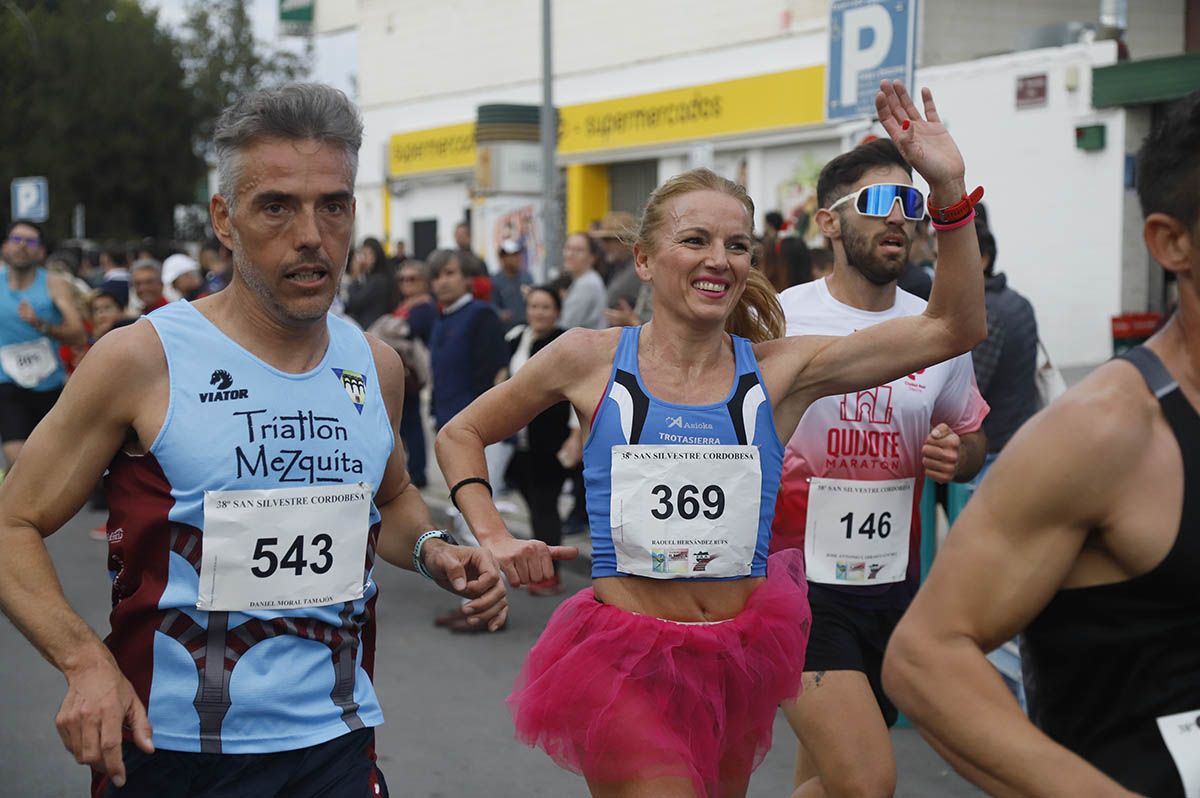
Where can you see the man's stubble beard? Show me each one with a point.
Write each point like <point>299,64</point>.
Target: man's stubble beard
<point>861,257</point>
<point>250,276</point>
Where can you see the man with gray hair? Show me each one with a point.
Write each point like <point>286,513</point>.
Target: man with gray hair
<point>252,481</point>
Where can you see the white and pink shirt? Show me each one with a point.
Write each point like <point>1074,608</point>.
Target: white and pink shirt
<point>852,474</point>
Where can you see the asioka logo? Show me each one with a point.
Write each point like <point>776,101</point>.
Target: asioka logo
<point>677,422</point>
<point>222,381</point>
<point>873,406</point>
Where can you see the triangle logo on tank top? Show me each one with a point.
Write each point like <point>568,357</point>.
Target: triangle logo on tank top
<point>355,385</point>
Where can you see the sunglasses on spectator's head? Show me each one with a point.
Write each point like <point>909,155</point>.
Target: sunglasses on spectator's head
<point>877,200</point>
<point>31,241</point>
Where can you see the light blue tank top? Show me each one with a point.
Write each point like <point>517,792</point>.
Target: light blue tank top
<point>15,331</point>
<point>262,680</point>
<point>630,415</point>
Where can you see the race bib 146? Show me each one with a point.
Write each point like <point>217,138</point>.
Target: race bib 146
<point>856,532</point>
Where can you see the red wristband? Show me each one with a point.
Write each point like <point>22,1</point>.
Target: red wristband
<point>941,228</point>
<point>958,211</point>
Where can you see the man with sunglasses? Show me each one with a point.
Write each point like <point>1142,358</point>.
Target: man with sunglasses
<point>37,313</point>
<point>853,472</point>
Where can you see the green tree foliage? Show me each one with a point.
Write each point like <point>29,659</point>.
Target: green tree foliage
<point>93,96</point>
<point>116,111</point>
<point>223,60</point>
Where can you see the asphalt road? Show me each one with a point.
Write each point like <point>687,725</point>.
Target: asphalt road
<point>447,733</point>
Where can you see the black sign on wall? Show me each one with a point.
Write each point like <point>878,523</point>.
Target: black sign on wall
<point>424,237</point>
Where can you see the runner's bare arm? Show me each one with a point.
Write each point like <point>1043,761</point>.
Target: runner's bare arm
<point>953,322</point>
<point>466,571</point>
<point>1002,564</point>
<point>113,392</point>
<point>71,331</point>
<point>569,368</point>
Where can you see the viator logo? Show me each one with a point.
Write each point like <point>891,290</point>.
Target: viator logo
<point>223,382</point>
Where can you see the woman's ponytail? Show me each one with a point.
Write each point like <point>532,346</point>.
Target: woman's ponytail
<point>758,315</point>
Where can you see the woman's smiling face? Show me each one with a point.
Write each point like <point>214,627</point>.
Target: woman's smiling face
<point>701,255</point>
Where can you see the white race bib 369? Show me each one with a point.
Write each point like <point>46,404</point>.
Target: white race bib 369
<point>283,548</point>
<point>856,532</point>
<point>685,511</point>
<point>28,363</point>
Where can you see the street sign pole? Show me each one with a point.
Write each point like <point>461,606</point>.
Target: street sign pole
<point>78,221</point>
<point>548,133</point>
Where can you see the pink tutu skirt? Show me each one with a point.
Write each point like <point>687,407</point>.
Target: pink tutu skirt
<point>618,696</point>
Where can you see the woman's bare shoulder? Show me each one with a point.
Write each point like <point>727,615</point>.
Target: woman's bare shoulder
<point>581,348</point>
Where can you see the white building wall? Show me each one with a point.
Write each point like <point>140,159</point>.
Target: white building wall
<point>959,30</point>
<point>333,16</point>
<point>435,49</point>
<point>1056,210</point>
<point>368,214</point>
<point>445,200</point>
<point>1142,276</point>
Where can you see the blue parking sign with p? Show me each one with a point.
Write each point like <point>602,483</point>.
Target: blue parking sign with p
<point>869,41</point>
<point>30,199</point>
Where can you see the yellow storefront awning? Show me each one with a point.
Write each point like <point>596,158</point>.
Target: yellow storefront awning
<point>764,102</point>
<point>778,100</point>
<point>438,149</point>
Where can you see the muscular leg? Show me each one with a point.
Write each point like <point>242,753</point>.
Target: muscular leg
<point>843,735</point>
<point>806,768</point>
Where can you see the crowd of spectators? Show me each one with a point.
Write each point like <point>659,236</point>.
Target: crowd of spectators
<point>115,283</point>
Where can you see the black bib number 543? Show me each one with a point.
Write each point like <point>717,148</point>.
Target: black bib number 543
<point>295,558</point>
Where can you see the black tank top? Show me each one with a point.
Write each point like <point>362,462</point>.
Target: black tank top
<point>1102,663</point>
